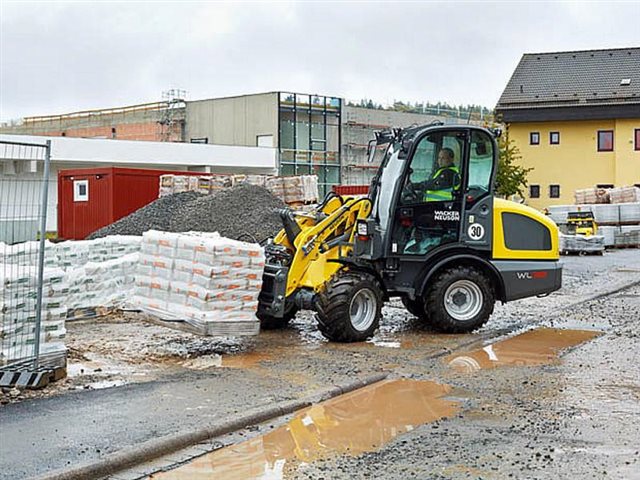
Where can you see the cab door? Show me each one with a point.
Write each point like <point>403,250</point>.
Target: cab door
<point>430,203</point>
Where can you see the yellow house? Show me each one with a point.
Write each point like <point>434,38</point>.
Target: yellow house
<point>575,117</point>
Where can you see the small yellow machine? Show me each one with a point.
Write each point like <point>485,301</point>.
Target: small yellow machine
<point>430,232</point>
<point>581,223</point>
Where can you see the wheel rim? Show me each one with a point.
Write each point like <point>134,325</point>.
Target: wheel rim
<point>463,300</point>
<point>362,309</point>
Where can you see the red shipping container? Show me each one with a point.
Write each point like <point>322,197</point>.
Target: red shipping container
<point>90,198</point>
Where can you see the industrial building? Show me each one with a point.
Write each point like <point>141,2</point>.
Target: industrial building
<point>575,117</point>
<point>79,153</point>
<point>313,134</point>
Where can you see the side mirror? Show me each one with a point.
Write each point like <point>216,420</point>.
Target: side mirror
<point>497,132</point>
<point>371,150</point>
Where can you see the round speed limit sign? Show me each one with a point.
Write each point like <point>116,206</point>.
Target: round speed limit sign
<point>475,231</point>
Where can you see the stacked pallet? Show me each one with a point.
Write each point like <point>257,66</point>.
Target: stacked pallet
<point>581,243</point>
<point>618,223</point>
<point>627,237</point>
<point>79,278</point>
<point>18,302</point>
<point>300,189</point>
<point>591,195</point>
<point>205,184</point>
<point>104,284</point>
<point>624,195</point>
<point>595,195</point>
<point>210,282</point>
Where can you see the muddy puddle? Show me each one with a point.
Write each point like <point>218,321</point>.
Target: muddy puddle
<point>240,360</point>
<point>351,424</point>
<point>94,372</point>
<point>536,347</point>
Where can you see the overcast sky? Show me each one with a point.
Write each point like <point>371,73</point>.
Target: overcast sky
<point>58,57</point>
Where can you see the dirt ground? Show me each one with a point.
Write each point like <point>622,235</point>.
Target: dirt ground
<point>577,418</point>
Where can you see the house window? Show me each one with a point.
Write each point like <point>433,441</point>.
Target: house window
<point>554,191</point>
<point>534,191</point>
<point>637,140</point>
<point>534,138</point>
<point>554,138</point>
<point>199,140</point>
<point>605,140</point>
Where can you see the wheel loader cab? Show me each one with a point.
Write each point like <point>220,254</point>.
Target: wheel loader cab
<point>446,172</point>
<point>430,232</point>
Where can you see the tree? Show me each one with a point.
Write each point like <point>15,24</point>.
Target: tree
<point>511,177</point>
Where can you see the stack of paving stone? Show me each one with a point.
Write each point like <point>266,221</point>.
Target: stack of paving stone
<point>581,243</point>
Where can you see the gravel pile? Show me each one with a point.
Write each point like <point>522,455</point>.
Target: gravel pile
<point>245,212</point>
<point>154,216</point>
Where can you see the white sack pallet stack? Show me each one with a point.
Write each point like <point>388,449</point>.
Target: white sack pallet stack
<point>18,312</point>
<point>78,275</point>
<point>102,284</point>
<point>200,282</point>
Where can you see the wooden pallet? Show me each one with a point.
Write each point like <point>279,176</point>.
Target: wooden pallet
<point>89,312</point>
<point>23,374</point>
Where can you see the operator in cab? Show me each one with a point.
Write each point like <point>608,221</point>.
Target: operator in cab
<point>444,181</point>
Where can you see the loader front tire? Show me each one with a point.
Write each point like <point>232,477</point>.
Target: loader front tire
<point>415,308</point>
<point>269,322</point>
<point>459,300</point>
<point>349,307</point>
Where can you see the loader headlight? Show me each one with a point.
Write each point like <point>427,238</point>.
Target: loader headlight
<point>362,229</point>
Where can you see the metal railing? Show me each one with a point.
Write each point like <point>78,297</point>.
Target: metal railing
<point>24,190</point>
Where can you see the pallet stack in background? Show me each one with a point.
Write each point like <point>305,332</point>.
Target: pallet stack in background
<point>615,210</point>
<point>293,190</point>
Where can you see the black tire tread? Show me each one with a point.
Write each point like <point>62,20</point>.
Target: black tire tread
<point>268,322</point>
<point>416,308</point>
<point>332,306</point>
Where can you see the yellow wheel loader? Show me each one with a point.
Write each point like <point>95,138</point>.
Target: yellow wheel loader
<point>429,232</point>
<point>581,223</point>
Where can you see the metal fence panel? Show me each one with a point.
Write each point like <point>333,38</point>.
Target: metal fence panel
<point>24,182</point>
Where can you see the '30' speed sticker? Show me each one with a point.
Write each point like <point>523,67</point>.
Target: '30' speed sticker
<point>475,231</point>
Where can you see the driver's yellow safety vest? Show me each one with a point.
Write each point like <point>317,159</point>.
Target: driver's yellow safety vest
<point>445,194</point>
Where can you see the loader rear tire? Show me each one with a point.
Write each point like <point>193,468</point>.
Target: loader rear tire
<point>268,322</point>
<point>460,300</point>
<point>349,307</point>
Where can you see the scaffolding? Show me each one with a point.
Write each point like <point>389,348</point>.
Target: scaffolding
<point>173,115</point>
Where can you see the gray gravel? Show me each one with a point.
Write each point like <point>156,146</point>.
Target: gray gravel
<point>154,216</point>
<point>245,212</point>
<point>238,212</point>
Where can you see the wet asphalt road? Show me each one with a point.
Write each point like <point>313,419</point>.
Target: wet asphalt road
<point>585,409</point>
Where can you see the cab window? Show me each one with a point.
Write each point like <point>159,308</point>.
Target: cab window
<point>434,173</point>
<point>480,166</point>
